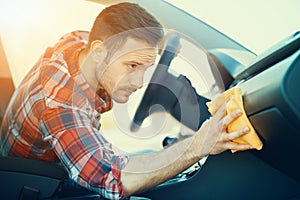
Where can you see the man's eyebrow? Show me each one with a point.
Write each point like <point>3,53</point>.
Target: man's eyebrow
<point>135,62</point>
<point>140,63</point>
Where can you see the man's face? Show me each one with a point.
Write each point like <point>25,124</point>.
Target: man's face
<point>125,71</point>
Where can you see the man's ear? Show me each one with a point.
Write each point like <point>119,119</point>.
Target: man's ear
<point>98,51</point>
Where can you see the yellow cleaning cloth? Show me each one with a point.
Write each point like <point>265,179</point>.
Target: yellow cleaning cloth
<point>239,123</point>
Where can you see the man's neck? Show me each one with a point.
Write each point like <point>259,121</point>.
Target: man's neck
<point>87,68</point>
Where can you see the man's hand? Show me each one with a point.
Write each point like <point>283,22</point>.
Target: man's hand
<point>214,133</point>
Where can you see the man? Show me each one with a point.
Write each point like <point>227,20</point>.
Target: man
<point>54,114</point>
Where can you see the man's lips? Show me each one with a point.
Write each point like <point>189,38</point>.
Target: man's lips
<point>129,91</point>
<point>132,90</point>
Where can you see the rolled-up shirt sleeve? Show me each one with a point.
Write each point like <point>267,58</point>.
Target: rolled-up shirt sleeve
<point>83,150</point>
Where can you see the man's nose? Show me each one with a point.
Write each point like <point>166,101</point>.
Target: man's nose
<point>138,79</point>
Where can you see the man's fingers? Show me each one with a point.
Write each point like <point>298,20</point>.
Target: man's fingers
<point>229,98</point>
<point>231,117</point>
<point>238,147</point>
<point>229,144</point>
<point>235,135</point>
<point>221,112</point>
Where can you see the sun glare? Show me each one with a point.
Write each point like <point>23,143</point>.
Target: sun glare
<point>27,27</point>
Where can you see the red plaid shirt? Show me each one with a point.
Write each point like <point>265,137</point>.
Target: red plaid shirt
<point>54,113</point>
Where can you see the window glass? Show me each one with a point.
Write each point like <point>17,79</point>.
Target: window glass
<point>255,24</point>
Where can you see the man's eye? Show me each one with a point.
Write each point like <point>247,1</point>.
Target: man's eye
<point>132,66</point>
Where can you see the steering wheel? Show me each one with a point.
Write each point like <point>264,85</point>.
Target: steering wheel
<point>174,94</point>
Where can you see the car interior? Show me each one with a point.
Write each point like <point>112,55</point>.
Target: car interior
<point>271,100</point>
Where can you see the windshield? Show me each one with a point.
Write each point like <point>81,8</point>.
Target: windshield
<point>255,24</point>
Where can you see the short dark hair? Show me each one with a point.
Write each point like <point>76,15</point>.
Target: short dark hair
<point>128,18</point>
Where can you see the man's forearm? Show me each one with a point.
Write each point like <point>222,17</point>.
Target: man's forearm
<point>146,171</point>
